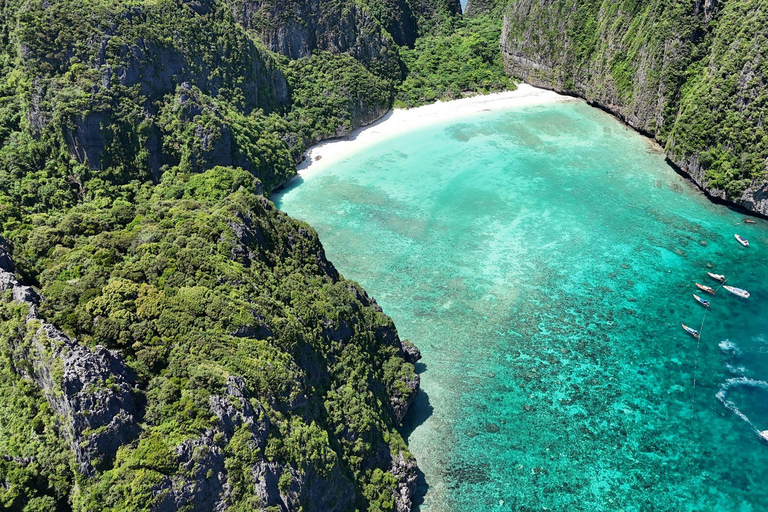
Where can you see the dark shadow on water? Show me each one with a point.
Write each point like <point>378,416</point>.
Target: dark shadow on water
<point>277,194</point>
<point>418,413</point>
<point>421,490</point>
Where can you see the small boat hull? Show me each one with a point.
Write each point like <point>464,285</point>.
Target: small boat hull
<point>764,435</point>
<point>705,289</point>
<point>743,241</point>
<point>717,277</point>
<point>703,302</point>
<point>744,294</point>
<point>691,331</point>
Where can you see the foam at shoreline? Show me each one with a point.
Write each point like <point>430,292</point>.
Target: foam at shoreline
<point>398,121</point>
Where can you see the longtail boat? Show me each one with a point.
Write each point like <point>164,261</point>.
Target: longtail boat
<point>744,294</point>
<point>703,302</point>
<point>690,330</point>
<point>717,277</point>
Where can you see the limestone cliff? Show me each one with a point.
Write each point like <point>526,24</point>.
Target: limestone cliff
<point>689,73</point>
<point>369,30</point>
<point>277,428</point>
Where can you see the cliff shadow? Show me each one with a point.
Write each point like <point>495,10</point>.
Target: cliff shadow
<point>417,414</point>
<point>277,194</point>
<point>419,411</point>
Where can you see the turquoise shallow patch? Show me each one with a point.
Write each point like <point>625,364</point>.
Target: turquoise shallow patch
<point>542,259</point>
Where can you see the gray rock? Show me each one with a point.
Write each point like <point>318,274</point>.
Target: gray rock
<point>91,389</point>
<point>404,469</point>
<point>5,257</point>
<point>411,352</point>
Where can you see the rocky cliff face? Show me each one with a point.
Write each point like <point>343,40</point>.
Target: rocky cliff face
<point>92,390</point>
<point>687,73</point>
<point>369,30</point>
<point>186,345</point>
<point>297,28</point>
<point>292,414</point>
<point>485,7</point>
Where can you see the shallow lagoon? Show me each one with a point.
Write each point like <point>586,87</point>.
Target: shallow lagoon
<point>542,258</point>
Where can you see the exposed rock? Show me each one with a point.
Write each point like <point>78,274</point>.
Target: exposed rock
<point>404,469</point>
<point>92,389</point>
<point>297,28</point>
<point>204,485</point>
<point>401,402</point>
<point>411,351</point>
<point>6,263</point>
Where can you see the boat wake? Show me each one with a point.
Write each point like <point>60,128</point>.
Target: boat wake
<point>729,384</point>
<point>728,346</point>
<point>736,370</point>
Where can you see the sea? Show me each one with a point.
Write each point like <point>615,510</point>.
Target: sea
<point>543,258</point>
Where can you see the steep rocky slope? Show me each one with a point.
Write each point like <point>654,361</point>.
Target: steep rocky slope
<point>369,30</point>
<point>168,339</point>
<point>690,73</point>
<point>279,384</point>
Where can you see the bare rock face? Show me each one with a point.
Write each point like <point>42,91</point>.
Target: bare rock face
<point>297,28</point>
<point>411,351</point>
<point>119,60</point>
<point>204,485</point>
<point>6,263</point>
<point>92,389</point>
<point>404,469</point>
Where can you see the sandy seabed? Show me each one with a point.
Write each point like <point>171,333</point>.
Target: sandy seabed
<point>399,121</point>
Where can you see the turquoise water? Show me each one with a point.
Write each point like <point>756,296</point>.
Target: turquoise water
<point>542,259</point>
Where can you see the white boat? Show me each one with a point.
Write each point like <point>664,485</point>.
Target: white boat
<point>703,302</point>
<point>743,241</point>
<point>764,434</point>
<point>744,294</point>
<point>707,289</point>
<point>717,277</point>
<point>690,330</point>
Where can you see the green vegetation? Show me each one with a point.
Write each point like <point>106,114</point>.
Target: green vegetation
<point>690,73</point>
<point>454,62</point>
<point>138,139</point>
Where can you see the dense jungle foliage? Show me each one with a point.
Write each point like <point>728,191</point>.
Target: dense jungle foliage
<point>138,141</point>
<point>691,73</point>
<point>455,61</point>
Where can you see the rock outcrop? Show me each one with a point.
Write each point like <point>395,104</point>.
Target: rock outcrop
<point>368,30</point>
<point>92,390</point>
<point>186,345</point>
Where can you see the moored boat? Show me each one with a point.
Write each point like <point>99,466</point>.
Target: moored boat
<point>690,330</point>
<point>717,277</point>
<point>743,241</point>
<point>705,288</point>
<point>744,294</point>
<point>703,302</point>
<point>749,221</point>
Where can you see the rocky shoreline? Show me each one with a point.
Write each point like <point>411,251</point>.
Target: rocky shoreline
<point>644,83</point>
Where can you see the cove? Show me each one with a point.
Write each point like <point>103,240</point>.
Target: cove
<point>542,258</point>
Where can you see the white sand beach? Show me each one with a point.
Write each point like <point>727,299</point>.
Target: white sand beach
<point>399,121</point>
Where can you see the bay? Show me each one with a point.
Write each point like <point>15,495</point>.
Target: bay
<point>542,258</point>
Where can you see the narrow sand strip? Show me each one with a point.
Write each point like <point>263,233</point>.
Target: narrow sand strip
<point>399,121</point>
